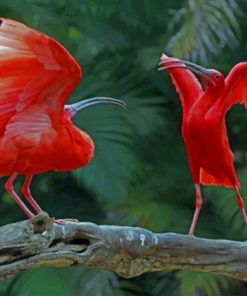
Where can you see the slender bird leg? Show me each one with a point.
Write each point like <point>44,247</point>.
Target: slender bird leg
<point>10,189</point>
<point>27,194</point>
<point>199,202</point>
<point>241,204</point>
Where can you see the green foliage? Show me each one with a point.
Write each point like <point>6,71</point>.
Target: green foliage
<point>93,282</point>
<point>112,169</point>
<point>202,28</point>
<point>194,283</point>
<point>140,173</point>
<point>44,281</point>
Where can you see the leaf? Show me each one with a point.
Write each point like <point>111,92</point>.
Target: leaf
<point>92,282</point>
<point>203,28</point>
<point>42,281</point>
<point>196,283</point>
<point>114,130</point>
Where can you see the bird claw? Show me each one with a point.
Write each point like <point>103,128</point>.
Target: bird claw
<point>63,221</point>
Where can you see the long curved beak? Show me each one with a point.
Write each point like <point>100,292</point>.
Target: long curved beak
<point>76,107</point>
<point>199,70</point>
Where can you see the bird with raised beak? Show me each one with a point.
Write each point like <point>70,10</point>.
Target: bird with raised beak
<point>203,126</point>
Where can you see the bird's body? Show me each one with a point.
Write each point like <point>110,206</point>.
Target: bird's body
<point>51,153</point>
<point>37,76</point>
<point>203,126</point>
<point>205,136</point>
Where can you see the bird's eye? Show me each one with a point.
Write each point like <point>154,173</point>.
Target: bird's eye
<point>217,76</point>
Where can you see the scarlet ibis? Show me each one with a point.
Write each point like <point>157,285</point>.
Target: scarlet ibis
<point>203,126</point>
<point>37,75</point>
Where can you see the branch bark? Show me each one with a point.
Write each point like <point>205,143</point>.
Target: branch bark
<point>128,251</point>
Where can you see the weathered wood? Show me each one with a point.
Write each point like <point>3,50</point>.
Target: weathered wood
<point>129,251</point>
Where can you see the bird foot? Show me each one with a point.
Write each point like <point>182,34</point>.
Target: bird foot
<point>63,221</point>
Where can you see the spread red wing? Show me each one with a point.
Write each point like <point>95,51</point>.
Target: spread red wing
<point>236,87</point>
<point>186,83</point>
<point>35,70</point>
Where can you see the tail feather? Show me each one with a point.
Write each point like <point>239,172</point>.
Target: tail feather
<point>208,179</point>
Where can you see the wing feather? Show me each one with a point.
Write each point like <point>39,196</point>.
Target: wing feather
<point>35,70</point>
<point>235,87</point>
<point>187,85</point>
<point>27,128</point>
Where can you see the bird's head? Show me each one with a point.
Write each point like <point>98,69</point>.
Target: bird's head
<point>211,77</point>
<point>71,110</point>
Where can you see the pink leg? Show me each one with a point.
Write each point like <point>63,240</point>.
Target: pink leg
<point>197,210</point>
<point>27,194</point>
<point>10,189</point>
<point>241,204</point>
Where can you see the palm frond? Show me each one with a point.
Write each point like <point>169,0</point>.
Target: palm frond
<point>199,283</point>
<point>204,28</point>
<point>32,283</point>
<point>96,283</point>
<point>113,130</point>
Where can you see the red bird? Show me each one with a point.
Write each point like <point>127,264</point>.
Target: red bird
<point>37,76</point>
<point>203,126</point>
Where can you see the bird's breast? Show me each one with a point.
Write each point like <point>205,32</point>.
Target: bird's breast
<point>75,150</point>
<point>200,130</point>
<point>206,140</point>
<point>69,150</point>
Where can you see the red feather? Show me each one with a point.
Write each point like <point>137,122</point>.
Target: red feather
<point>186,84</point>
<point>235,87</point>
<point>203,128</point>
<point>37,75</point>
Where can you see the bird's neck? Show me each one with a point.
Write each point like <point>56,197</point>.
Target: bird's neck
<point>211,97</point>
<point>216,91</point>
<point>202,105</point>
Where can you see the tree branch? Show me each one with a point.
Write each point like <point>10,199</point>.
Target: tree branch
<point>128,251</point>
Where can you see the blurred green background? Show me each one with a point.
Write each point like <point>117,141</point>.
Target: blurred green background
<point>140,175</point>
